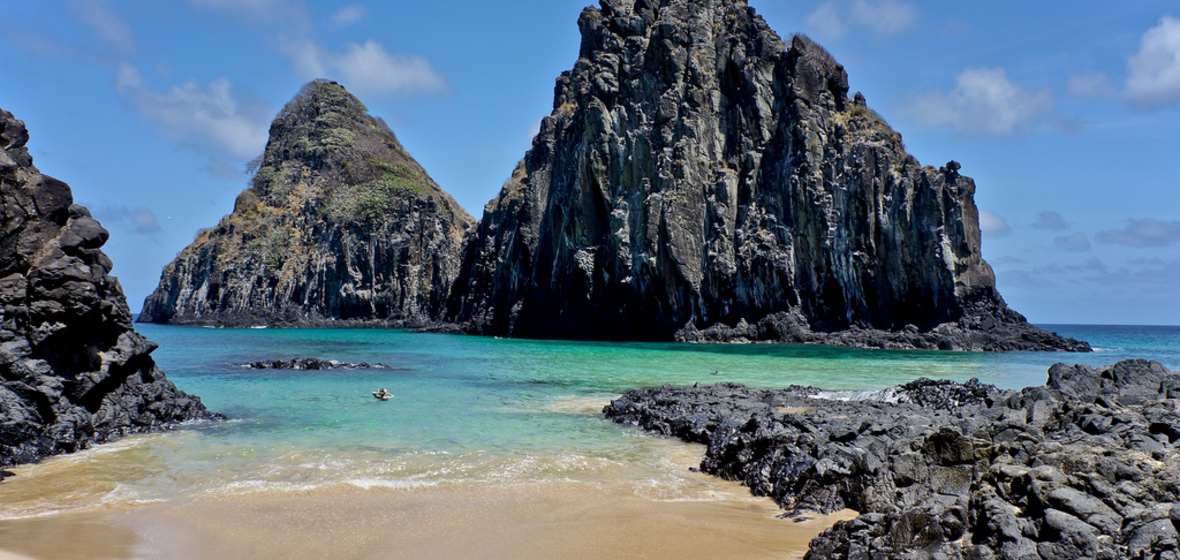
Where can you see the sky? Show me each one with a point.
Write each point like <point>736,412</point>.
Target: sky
<point>1066,114</point>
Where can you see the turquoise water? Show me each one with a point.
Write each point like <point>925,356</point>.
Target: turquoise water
<point>467,410</point>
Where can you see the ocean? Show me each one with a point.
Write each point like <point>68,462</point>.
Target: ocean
<point>505,434</point>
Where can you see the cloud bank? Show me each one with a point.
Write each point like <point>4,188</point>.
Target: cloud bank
<point>985,102</point>
<point>1143,233</point>
<point>367,69</point>
<point>991,223</point>
<point>1153,74</point>
<point>204,118</point>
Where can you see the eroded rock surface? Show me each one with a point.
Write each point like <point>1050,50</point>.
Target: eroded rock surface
<point>73,372</point>
<point>701,180</point>
<point>341,227</point>
<point>1086,466</point>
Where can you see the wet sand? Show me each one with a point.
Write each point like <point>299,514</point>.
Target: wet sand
<point>545,520</point>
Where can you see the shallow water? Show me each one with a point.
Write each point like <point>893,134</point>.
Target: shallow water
<point>511,419</point>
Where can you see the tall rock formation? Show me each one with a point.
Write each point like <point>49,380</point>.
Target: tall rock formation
<point>340,226</point>
<point>73,372</point>
<point>701,180</point>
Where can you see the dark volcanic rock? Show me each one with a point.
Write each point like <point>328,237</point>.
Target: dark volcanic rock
<point>1085,467</point>
<point>701,180</point>
<point>73,372</point>
<point>312,364</point>
<point>340,227</point>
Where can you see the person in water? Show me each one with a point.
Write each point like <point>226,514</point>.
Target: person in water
<point>383,394</point>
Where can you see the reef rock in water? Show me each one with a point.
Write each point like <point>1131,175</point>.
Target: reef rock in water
<point>339,227</point>
<point>701,180</point>
<point>73,372</point>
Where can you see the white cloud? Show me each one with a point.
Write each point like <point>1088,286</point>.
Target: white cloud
<point>991,223</point>
<point>1153,74</point>
<point>108,26</point>
<point>205,118</point>
<point>880,17</point>
<point>1091,83</point>
<point>885,17</point>
<point>350,14</point>
<point>367,69</point>
<point>826,20</point>
<point>984,102</point>
<point>370,67</point>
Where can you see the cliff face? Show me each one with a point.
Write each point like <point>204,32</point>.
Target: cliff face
<point>701,180</point>
<point>340,226</point>
<point>73,372</point>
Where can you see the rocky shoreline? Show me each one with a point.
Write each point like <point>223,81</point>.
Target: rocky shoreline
<point>1001,331</point>
<point>1086,466</point>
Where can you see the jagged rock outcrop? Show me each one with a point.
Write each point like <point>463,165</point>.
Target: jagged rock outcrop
<point>701,180</point>
<point>1087,466</point>
<point>73,372</point>
<point>339,227</point>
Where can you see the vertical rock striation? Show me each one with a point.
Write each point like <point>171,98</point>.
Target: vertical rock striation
<point>73,372</point>
<point>340,226</point>
<point>701,180</point>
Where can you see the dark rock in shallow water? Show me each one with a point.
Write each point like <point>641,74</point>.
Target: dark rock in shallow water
<point>1087,466</point>
<point>340,228</point>
<point>701,180</point>
<point>73,372</point>
<point>312,364</point>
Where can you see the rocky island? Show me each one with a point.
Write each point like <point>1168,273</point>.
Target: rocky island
<point>340,227</point>
<point>1087,466</point>
<point>701,180</point>
<point>73,371</point>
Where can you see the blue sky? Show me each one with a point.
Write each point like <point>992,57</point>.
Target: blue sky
<point>1067,114</point>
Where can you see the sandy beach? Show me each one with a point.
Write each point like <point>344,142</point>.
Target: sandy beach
<point>550,520</point>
